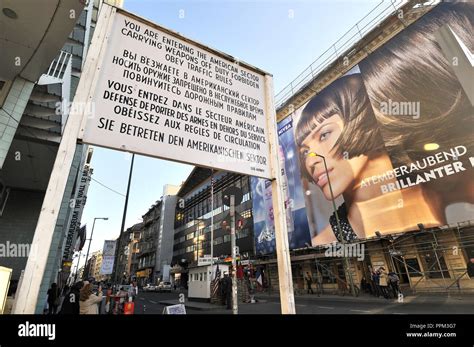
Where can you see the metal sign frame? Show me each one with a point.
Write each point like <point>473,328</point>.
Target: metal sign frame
<point>28,292</point>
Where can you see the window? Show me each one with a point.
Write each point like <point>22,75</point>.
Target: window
<point>218,240</point>
<point>432,263</point>
<point>243,233</point>
<point>200,276</point>
<point>190,236</point>
<point>245,185</point>
<point>413,267</point>
<point>226,238</point>
<point>246,213</point>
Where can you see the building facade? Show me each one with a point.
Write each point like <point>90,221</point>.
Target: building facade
<point>427,242</point>
<point>192,232</point>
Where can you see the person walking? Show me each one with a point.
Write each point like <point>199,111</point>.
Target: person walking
<point>227,290</point>
<point>394,282</point>
<point>71,301</point>
<point>88,303</point>
<point>309,282</point>
<point>376,280</point>
<point>133,290</point>
<point>53,299</point>
<point>383,282</point>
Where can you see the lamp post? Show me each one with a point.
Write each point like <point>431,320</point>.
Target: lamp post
<point>346,262</point>
<point>90,241</point>
<point>77,266</point>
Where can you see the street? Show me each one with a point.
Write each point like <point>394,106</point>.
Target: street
<point>149,303</point>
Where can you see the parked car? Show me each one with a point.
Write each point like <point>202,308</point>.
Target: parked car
<point>164,287</point>
<point>149,288</point>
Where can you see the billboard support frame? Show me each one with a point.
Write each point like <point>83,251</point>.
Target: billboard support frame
<point>28,293</point>
<point>285,277</point>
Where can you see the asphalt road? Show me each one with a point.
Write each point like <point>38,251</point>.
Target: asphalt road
<point>149,303</point>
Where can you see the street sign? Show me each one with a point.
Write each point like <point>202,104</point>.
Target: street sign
<point>206,260</point>
<point>236,192</point>
<point>163,95</point>
<point>175,309</point>
<point>109,248</point>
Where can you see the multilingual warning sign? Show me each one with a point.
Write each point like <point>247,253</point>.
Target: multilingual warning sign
<point>162,95</point>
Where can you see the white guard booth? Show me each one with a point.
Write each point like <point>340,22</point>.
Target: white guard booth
<point>199,281</point>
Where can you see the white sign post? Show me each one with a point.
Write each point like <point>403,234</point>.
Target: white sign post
<point>159,94</point>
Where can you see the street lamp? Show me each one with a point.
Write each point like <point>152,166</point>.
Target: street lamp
<point>90,241</point>
<point>346,262</point>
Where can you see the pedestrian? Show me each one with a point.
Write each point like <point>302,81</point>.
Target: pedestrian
<point>88,302</point>
<point>319,283</point>
<point>71,301</point>
<point>108,299</point>
<point>376,279</point>
<point>309,282</point>
<point>227,290</point>
<point>53,298</point>
<point>133,290</point>
<point>394,282</point>
<point>383,282</point>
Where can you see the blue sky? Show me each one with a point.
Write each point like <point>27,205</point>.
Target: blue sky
<point>280,37</point>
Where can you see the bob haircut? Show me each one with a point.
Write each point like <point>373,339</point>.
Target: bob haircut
<point>347,98</point>
<point>411,67</point>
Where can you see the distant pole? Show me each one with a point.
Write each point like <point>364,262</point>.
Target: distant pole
<point>89,247</point>
<point>124,215</point>
<point>77,266</point>
<point>235,309</point>
<point>346,263</point>
<point>212,226</point>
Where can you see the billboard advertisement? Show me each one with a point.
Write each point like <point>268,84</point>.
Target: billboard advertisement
<point>297,222</point>
<point>390,143</point>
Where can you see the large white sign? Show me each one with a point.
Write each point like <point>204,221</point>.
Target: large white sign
<point>109,248</point>
<point>167,97</point>
<point>107,266</point>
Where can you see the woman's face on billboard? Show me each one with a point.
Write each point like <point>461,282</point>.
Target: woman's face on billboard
<point>342,172</point>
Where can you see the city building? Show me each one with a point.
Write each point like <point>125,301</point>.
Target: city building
<point>125,260</point>
<point>147,246</point>
<point>192,225</point>
<point>155,248</point>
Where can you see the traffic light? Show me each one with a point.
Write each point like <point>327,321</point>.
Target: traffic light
<point>239,222</point>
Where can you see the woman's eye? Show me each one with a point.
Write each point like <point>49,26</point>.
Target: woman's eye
<point>324,135</point>
<point>304,153</point>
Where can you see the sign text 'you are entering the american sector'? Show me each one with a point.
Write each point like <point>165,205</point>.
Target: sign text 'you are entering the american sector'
<point>163,96</point>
